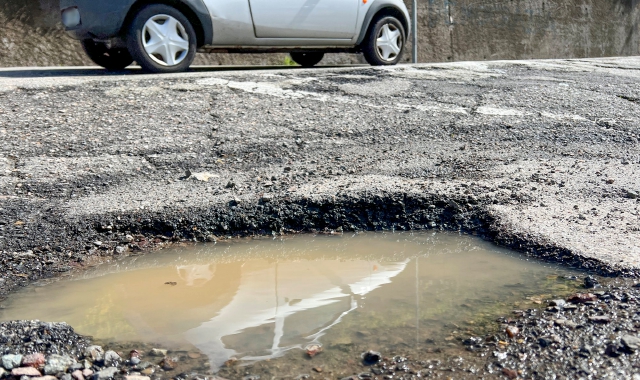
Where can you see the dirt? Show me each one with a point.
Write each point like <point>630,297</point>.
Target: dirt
<point>538,156</point>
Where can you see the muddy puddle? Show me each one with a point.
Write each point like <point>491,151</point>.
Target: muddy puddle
<point>256,305</point>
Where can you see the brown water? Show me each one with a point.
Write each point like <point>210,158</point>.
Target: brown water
<point>261,299</point>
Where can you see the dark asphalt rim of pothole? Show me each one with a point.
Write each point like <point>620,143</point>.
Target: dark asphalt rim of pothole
<point>345,212</point>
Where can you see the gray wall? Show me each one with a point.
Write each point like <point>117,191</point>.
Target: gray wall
<point>448,31</point>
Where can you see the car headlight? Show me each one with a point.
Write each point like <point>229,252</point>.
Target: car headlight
<point>71,17</point>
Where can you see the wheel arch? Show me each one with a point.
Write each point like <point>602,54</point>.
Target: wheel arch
<point>194,10</point>
<point>378,9</point>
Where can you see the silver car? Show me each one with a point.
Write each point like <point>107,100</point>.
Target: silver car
<point>164,35</point>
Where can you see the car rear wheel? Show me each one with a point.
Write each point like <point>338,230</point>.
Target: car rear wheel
<point>385,42</point>
<point>110,58</point>
<point>162,40</point>
<point>307,59</point>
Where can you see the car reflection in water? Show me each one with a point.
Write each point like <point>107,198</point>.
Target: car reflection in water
<point>277,307</point>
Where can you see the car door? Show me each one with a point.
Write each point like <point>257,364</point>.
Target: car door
<point>304,18</point>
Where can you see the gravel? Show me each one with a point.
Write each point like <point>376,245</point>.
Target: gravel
<point>538,156</point>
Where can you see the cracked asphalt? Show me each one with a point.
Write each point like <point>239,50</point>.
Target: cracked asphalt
<point>540,156</point>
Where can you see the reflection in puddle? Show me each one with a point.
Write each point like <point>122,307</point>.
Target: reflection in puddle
<point>257,300</point>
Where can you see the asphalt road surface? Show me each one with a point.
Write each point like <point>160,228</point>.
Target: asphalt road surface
<point>542,156</point>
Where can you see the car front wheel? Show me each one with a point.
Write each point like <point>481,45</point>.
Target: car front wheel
<point>385,42</point>
<point>110,58</point>
<point>162,40</point>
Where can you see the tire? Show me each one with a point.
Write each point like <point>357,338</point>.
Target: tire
<point>162,40</point>
<point>307,59</point>
<point>111,59</point>
<point>385,42</point>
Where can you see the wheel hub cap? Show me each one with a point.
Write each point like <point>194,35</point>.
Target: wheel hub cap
<point>389,42</point>
<point>165,40</point>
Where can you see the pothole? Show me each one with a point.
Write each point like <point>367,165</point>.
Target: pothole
<point>262,306</point>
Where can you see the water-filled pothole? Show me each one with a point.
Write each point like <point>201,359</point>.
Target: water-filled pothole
<point>254,300</point>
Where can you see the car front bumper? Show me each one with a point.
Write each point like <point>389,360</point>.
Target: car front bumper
<point>91,19</point>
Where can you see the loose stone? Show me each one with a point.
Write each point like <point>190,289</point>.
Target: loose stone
<point>158,352</point>
<point>77,374</point>
<point>11,361</point>
<point>94,353</point>
<point>136,377</point>
<point>106,373</point>
<point>111,357</point>
<point>630,342</point>
<point>512,331</point>
<point>36,360</point>
<point>57,363</point>
<point>25,371</point>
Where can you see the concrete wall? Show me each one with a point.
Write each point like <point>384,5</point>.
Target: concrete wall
<point>448,31</point>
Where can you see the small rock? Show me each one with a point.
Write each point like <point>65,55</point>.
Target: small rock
<point>105,374</point>
<point>148,371</point>
<point>120,250</point>
<point>3,373</point>
<point>590,282</point>
<point>94,353</point>
<point>313,349</point>
<point>87,372</point>
<point>77,374</point>
<point>204,176</point>
<point>47,377</point>
<point>25,371</point>
<point>558,302</point>
<point>510,373</point>
<point>600,319</point>
<point>10,362</point>
<point>127,239</point>
<point>582,298</point>
<point>135,360</point>
<point>317,369</point>
<point>512,331</point>
<point>266,198</point>
<point>194,355</point>
<point>36,360</point>
<point>371,357</point>
<point>97,243</point>
<point>168,364</point>
<point>111,358</point>
<point>158,352</point>
<point>66,376</point>
<point>57,363</point>
<point>630,342</point>
<point>134,377</point>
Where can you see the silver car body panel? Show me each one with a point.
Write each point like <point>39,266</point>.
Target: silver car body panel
<point>292,23</point>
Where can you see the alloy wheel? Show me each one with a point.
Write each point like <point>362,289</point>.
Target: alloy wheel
<point>165,40</point>
<point>389,42</point>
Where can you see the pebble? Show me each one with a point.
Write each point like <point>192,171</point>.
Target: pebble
<point>137,377</point>
<point>600,319</point>
<point>111,357</point>
<point>46,377</point>
<point>158,352</point>
<point>512,331</point>
<point>313,349</point>
<point>87,372</point>
<point>36,360</point>
<point>57,363</point>
<point>558,302</point>
<point>169,363</point>
<point>148,371</point>
<point>582,298</point>
<point>77,374</point>
<point>10,362</point>
<point>94,353</point>
<point>2,372</point>
<point>25,371</point>
<point>106,373</point>
<point>630,342</point>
